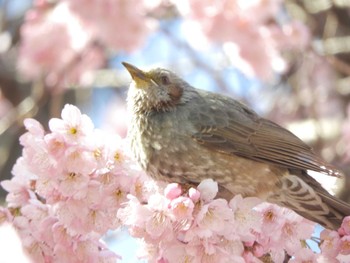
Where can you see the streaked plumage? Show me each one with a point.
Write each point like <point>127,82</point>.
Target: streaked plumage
<point>182,134</point>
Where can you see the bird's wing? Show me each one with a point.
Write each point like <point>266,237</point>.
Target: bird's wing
<point>230,127</point>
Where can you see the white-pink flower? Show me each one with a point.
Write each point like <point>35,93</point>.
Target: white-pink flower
<point>304,255</point>
<point>238,24</point>
<point>5,215</point>
<point>345,226</point>
<point>247,221</point>
<point>73,125</point>
<point>215,249</point>
<point>158,224</point>
<point>34,127</point>
<point>213,218</point>
<point>182,208</point>
<point>56,145</point>
<point>79,160</point>
<point>295,228</point>
<point>345,245</point>
<point>18,193</point>
<point>272,217</point>
<point>172,191</point>
<point>72,214</point>
<point>60,50</point>
<point>194,194</point>
<point>60,235</point>
<point>103,18</point>
<point>19,187</point>
<point>330,243</point>
<point>134,213</point>
<point>176,253</point>
<point>73,185</point>
<point>208,189</point>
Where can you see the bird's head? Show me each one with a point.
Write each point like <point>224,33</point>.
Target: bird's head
<point>156,90</point>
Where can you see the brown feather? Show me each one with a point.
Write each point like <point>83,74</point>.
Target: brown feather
<point>245,134</point>
<point>305,195</point>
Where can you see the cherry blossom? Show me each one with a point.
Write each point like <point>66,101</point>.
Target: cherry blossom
<point>73,124</point>
<point>331,242</point>
<point>53,48</point>
<point>345,245</point>
<point>64,52</point>
<point>120,25</point>
<point>57,185</point>
<point>304,255</point>
<point>172,191</point>
<point>209,189</point>
<point>182,208</point>
<point>70,188</point>
<point>237,24</point>
<point>345,226</point>
<point>247,220</point>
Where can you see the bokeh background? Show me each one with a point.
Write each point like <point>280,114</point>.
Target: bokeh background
<point>287,59</point>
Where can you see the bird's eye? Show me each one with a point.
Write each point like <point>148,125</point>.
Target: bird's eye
<point>165,80</point>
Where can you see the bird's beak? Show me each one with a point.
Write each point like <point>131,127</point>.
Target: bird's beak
<point>139,76</point>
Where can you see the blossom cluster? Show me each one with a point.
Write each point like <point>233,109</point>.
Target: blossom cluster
<point>74,183</point>
<point>63,41</point>
<point>252,32</point>
<point>195,227</point>
<point>67,187</point>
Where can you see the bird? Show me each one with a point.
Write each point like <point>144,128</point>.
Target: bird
<point>181,134</point>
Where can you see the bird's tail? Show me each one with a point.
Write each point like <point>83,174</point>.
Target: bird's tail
<point>308,198</point>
